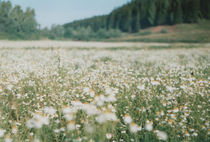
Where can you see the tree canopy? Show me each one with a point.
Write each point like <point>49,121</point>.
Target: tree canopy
<point>17,22</point>
<point>138,14</point>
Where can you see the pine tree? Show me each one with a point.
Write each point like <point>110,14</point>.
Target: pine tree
<point>195,10</point>
<point>135,19</point>
<point>178,15</point>
<point>205,8</point>
<point>151,12</point>
<point>162,11</point>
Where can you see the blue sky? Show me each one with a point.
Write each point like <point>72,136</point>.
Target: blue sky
<point>50,12</point>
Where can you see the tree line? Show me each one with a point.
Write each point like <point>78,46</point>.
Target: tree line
<point>139,14</point>
<point>15,22</point>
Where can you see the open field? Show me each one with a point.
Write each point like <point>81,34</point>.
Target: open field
<point>91,44</point>
<point>153,93</point>
<point>72,44</point>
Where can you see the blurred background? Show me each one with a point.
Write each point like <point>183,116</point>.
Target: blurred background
<point>98,20</point>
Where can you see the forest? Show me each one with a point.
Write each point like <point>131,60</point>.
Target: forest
<point>140,14</point>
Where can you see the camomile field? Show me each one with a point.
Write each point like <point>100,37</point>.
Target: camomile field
<point>130,94</point>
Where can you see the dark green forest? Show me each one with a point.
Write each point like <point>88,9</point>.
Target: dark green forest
<point>140,14</point>
<point>16,23</point>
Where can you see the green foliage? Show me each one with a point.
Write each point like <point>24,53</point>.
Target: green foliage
<point>161,12</point>
<point>151,13</point>
<point>163,31</point>
<point>145,13</point>
<point>17,23</point>
<point>82,33</point>
<point>205,8</point>
<point>57,31</point>
<point>5,8</point>
<point>177,12</point>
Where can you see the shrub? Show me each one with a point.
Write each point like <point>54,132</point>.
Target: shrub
<point>163,31</point>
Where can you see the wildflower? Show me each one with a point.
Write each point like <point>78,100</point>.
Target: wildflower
<point>62,129</point>
<point>30,123</point>
<point>37,121</point>
<point>155,83</point>
<point>106,116</point>
<point>49,110</point>
<point>127,119</point>
<point>100,100</point>
<point>90,109</point>
<point>191,130</point>
<point>162,113</point>
<point>77,104</point>
<point>164,103</point>
<point>170,121</point>
<point>36,140</point>
<point>9,87</point>
<point>2,132</point>
<point>77,126</point>
<point>86,90</point>
<point>111,98</point>
<point>170,89</point>
<point>111,91</point>
<point>56,130</point>
<point>123,132</point>
<point>18,96</point>
<point>195,134</point>
<point>89,128</point>
<point>134,127</point>
<point>141,87</point>
<point>14,129</point>
<point>149,125</point>
<point>108,91</point>
<point>92,94</point>
<point>143,109</point>
<point>187,133</point>
<point>7,138</point>
<point>176,109</point>
<point>108,135</point>
<point>161,135</point>
<point>69,116</point>
<point>71,125</point>
<point>57,121</point>
<point>66,109</point>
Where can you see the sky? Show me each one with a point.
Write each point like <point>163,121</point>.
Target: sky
<point>50,12</point>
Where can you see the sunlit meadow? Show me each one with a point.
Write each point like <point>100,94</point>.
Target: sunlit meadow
<point>97,95</point>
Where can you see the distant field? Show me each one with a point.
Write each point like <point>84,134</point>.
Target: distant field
<point>188,33</point>
<point>91,44</point>
<point>156,93</point>
<point>72,44</point>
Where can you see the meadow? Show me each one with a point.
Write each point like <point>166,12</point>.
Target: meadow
<point>104,95</point>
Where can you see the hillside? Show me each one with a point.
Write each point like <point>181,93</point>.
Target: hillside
<point>189,33</point>
<point>141,14</point>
